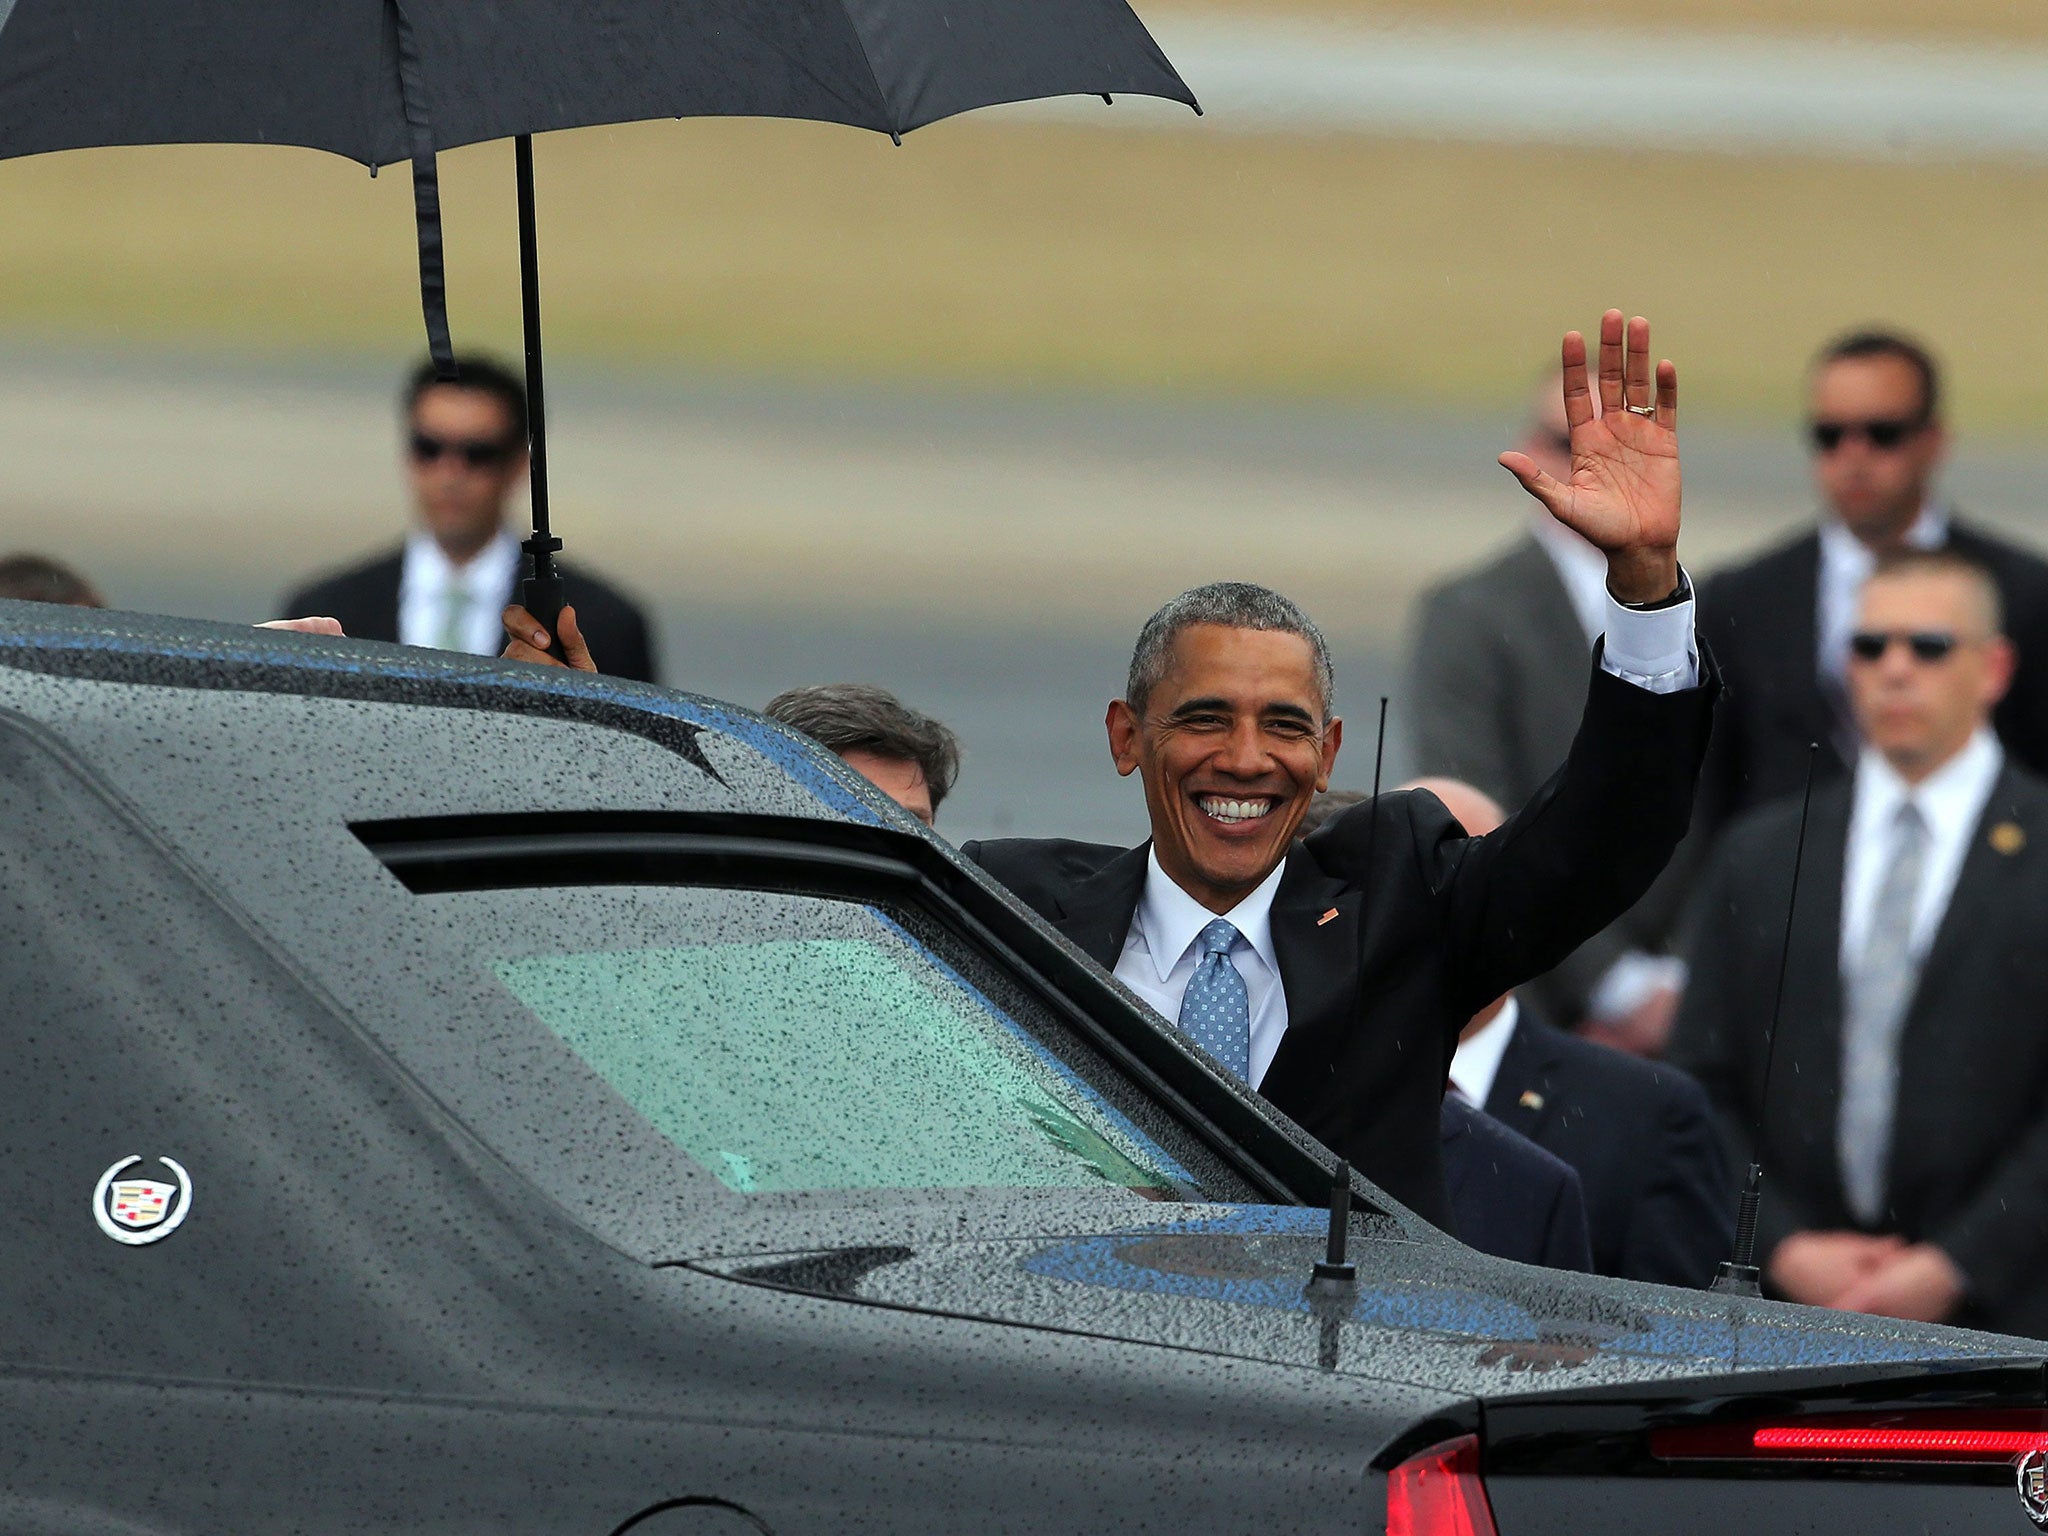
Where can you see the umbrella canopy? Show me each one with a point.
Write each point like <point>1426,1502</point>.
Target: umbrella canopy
<point>364,78</point>
<point>387,80</point>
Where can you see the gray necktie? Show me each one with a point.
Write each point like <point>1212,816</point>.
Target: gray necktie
<point>1216,1010</point>
<point>1877,991</point>
<point>454,618</point>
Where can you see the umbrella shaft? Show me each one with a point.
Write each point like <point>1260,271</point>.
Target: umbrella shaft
<point>536,392</point>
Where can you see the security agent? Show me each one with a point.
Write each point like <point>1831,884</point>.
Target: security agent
<point>447,586</point>
<point>1334,978</point>
<point>1904,1138</point>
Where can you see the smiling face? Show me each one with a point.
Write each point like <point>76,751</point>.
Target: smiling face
<point>1232,746</point>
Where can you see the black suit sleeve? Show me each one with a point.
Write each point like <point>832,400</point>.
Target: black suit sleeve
<point>1682,1224</point>
<point>1567,1239</point>
<point>1719,1041</point>
<point>1581,852</point>
<point>2000,1237</point>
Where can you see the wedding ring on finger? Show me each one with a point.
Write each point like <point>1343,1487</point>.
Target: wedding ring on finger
<point>1642,410</point>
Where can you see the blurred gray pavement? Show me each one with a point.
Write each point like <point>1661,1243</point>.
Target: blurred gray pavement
<point>989,557</point>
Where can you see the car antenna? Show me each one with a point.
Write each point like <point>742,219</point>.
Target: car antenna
<point>1334,1271</point>
<point>1740,1276</point>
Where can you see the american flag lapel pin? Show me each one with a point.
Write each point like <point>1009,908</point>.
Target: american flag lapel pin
<point>1326,917</point>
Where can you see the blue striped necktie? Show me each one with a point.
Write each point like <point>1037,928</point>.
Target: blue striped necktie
<point>1216,1010</point>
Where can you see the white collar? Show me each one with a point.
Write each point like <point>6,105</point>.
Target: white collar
<point>1174,920</point>
<point>487,573</point>
<point>1477,1060</point>
<point>1841,548</point>
<point>1951,798</point>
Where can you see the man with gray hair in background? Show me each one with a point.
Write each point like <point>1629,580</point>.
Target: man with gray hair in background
<point>1334,978</point>
<point>908,756</point>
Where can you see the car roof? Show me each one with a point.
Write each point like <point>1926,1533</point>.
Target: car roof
<point>75,669</point>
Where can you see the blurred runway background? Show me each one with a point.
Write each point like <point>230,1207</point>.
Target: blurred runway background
<point>953,417</point>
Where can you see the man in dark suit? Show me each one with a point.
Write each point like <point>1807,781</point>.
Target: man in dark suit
<point>1903,1129</point>
<point>1640,1135</point>
<point>449,584</point>
<point>1334,976</point>
<point>1509,1197</point>
<point>1495,682</point>
<point>1779,625</point>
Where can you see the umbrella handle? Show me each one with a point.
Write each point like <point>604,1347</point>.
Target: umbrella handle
<point>543,593</point>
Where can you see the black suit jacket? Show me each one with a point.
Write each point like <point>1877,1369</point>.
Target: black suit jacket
<point>1429,924</point>
<point>1494,670</point>
<point>1762,621</point>
<point>365,599</point>
<point>1509,1197</point>
<point>1969,1166</point>
<point>1642,1135</point>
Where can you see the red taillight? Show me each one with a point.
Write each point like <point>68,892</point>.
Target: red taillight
<point>1989,1436</point>
<point>1438,1493</point>
<point>1901,1444</point>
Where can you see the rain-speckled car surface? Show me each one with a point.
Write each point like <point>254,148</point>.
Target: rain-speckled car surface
<point>443,1096</point>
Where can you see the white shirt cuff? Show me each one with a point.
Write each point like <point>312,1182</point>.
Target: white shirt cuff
<point>1654,648</point>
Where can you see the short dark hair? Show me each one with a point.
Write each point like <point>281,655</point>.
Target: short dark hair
<point>1856,345</point>
<point>853,717</point>
<point>484,375</point>
<point>1948,562</point>
<point>1234,605</point>
<point>39,579</point>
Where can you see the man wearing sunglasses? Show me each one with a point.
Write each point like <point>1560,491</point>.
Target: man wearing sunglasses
<point>1780,625</point>
<point>1905,1135</point>
<point>465,458</point>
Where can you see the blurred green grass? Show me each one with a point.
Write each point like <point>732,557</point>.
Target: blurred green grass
<point>1042,255</point>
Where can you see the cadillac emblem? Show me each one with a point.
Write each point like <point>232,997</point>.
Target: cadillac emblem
<point>137,1210</point>
<point>2034,1486</point>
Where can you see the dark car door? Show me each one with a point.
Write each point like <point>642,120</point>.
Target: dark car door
<point>439,1174</point>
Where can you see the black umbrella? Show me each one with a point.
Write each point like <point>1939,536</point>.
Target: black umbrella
<point>382,81</point>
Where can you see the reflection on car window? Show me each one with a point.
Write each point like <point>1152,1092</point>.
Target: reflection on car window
<point>793,1043</point>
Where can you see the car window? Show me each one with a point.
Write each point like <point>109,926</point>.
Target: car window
<point>797,1044</point>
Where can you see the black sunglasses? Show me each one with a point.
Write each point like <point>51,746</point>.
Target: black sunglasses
<point>1929,645</point>
<point>1883,435</point>
<point>477,455</point>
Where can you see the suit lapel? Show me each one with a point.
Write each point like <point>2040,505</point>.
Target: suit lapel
<point>1812,711</point>
<point>2000,846</point>
<point>1806,1087</point>
<point>1517,1098</point>
<point>1097,913</point>
<point>1317,954</point>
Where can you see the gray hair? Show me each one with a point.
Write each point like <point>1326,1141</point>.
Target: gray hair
<point>1234,605</point>
<point>852,717</point>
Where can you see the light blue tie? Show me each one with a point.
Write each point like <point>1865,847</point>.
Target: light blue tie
<point>1216,1010</point>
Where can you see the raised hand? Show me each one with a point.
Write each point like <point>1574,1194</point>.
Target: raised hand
<point>1623,495</point>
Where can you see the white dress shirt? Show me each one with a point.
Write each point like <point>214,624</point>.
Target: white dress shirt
<point>425,583</point>
<point>1479,1055</point>
<point>1653,650</point>
<point>1845,565</point>
<point>1159,956</point>
<point>1951,800</point>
